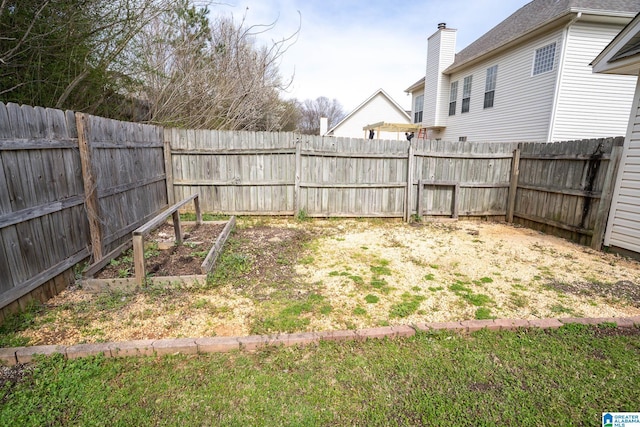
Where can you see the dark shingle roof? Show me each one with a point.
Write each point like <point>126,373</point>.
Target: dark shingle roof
<point>533,15</point>
<point>416,85</point>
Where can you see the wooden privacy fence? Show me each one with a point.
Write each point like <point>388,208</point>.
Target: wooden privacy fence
<point>72,186</point>
<point>566,188</point>
<point>460,178</point>
<point>43,225</point>
<point>563,188</point>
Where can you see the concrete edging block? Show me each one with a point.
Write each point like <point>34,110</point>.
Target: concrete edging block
<point>301,338</point>
<point>404,331</point>
<point>453,326</point>
<point>545,323</point>
<point>421,327</point>
<point>477,325</point>
<point>381,332</point>
<point>84,350</point>
<point>511,324</point>
<point>338,335</point>
<point>13,355</point>
<point>8,356</point>
<point>131,348</point>
<point>622,322</point>
<point>175,346</point>
<point>255,342</point>
<point>26,354</point>
<point>217,344</point>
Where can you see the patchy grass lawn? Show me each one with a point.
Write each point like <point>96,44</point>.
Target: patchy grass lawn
<point>282,275</point>
<point>524,378</point>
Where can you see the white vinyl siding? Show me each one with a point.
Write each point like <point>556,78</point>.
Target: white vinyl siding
<point>440,54</point>
<point>590,105</point>
<point>623,229</point>
<point>522,106</point>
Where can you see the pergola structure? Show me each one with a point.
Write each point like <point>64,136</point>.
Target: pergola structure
<point>391,127</point>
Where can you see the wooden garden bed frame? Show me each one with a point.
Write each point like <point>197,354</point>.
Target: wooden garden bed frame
<point>155,222</point>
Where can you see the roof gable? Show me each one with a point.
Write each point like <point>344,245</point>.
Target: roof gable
<point>384,94</point>
<point>622,54</point>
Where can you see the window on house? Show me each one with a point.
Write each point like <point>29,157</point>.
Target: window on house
<point>453,95</point>
<point>418,107</point>
<point>544,58</point>
<point>466,94</point>
<point>462,139</point>
<point>490,86</point>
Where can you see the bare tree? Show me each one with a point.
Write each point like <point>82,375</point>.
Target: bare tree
<point>202,74</point>
<point>165,59</point>
<point>312,110</point>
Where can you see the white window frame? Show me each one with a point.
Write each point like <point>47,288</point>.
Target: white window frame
<point>453,94</point>
<point>466,94</point>
<point>417,111</point>
<point>543,61</point>
<point>490,85</point>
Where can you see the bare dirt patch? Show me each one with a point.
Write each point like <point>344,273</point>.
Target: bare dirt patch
<point>281,275</point>
<point>624,290</point>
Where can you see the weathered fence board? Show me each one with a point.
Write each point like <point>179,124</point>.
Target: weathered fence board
<point>343,176</point>
<point>482,171</point>
<point>239,173</point>
<point>44,215</point>
<point>560,187</point>
<point>41,221</point>
<point>234,172</point>
<point>128,162</point>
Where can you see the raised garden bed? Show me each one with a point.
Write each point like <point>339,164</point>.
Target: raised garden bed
<point>165,258</point>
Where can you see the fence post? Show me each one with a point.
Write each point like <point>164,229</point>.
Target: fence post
<point>138,258</point>
<point>90,187</point>
<point>408,203</point>
<point>513,187</point>
<point>604,207</point>
<point>420,197</point>
<point>298,167</point>
<point>168,165</point>
<point>456,200</point>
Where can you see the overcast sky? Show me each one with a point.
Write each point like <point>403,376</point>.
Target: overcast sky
<point>348,49</point>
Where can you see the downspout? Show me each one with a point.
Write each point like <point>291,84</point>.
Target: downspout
<point>556,94</point>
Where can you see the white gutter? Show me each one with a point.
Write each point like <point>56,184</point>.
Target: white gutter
<point>556,94</point>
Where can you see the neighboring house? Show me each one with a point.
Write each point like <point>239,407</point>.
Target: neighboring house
<point>378,108</point>
<point>528,78</point>
<point>622,56</point>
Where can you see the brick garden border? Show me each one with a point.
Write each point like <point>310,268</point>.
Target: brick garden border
<point>14,355</point>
